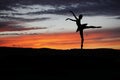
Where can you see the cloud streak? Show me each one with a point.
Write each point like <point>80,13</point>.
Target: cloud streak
<point>13,26</point>
<point>117,17</point>
<point>23,19</point>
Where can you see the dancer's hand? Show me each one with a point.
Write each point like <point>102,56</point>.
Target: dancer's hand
<point>99,27</point>
<point>67,19</point>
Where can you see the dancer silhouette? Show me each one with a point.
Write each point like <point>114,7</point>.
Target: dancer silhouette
<point>81,27</point>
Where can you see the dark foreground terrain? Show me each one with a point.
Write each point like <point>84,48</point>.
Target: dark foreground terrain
<point>50,64</point>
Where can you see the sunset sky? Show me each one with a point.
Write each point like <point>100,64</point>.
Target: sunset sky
<point>41,23</point>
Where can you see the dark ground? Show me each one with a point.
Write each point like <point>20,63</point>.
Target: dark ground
<point>50,64</point>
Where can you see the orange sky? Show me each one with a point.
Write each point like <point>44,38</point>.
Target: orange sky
<point>62,41</point>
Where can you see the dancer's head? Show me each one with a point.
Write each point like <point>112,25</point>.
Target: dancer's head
<point>80,16</point>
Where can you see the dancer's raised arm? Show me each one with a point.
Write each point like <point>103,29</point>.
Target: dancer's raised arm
<point>70,19</point>
<point>74,14</point>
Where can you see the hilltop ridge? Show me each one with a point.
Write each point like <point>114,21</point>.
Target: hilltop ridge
<point>28,63</point>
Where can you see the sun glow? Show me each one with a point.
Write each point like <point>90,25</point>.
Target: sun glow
<point>60,41</point>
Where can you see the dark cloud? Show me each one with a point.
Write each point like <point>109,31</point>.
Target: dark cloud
<point>88,7</point>
<point>12,26</point>
<point>23,19</point>
<point>117,17</point>
<point>8,23</point>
